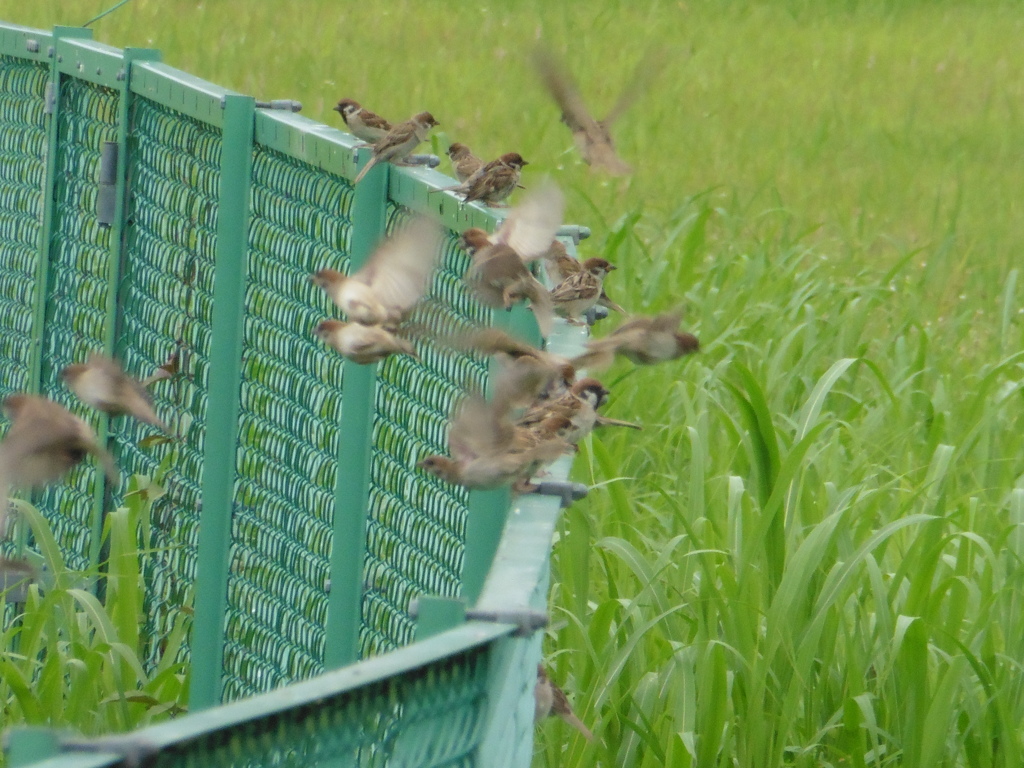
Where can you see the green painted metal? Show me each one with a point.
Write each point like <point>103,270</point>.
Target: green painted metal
<point>223,405</point>
<point>25,42</point>
<point>305,463</point>
<point>351,494</point>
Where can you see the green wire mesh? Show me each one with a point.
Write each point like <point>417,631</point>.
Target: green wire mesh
<point>417,523</point>
<point>165,300</point>
<point>430,716</point>
<point>288,428</point>
<point>77,290</point>
<point>22,172</point>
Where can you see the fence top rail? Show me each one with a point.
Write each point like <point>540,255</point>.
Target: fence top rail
<point>25,42</point>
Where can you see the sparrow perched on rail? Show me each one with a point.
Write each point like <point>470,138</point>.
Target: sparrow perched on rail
<point>363,344</point>
<point>464,162</point>
<point>399,142</point>
<point>392,280</point>
<point>493,183</point>
<point>592,137</point>
<point>643,340</point>
<point>579,404</point>
<point>103,384</point>
<point>580,291</point>
<point>549,699</point>
<point>558,265</point>
<point>363,123</point>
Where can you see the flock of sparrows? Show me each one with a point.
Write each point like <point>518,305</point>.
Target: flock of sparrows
<point>541,406</point>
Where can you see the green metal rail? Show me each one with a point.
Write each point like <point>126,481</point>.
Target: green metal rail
<point>146,212</point>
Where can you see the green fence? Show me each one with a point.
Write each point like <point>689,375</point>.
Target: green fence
<point>146,212</point>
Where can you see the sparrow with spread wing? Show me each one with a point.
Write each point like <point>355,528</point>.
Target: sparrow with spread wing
<point>392,280</point>
<point>643,340</point>
<point>363,123</point>
<point>592,136</point>
<point>363,344</point>
<point>399,142</point>
<point>102,383</point>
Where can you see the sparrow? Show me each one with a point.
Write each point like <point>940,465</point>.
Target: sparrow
<point>102,384</point>
<point>579,404</point>
<point>549,699</point>
<point>464,162</point>
<point>499,278</point>
<point>362,344</point>
<point>558,265</point>
<point>363,123</point>
<point>487,450</point>
<point>492,183</point>
<point>398,143</point>
<point>170,368</point>
<point>592,137</point>
<point>643,340</point>
<point>45,442</point>
<point>579,292</point>
<point>392,280</point>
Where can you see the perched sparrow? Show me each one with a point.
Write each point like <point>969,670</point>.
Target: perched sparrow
<point>399,142</point>
<point>499,278</point>
<point>464,162</point>
<point>393,279</point>
<point>592,136</point>
<point>549,699</point>
<point>46,441</point>
<point>363,123</point>
<point>643,340</point>
<point>579,404</point>
<point>494,182</point>
<point>558,265</point>
<point>581,291</point>
<point>170,368</point>
<point>362,343</point>
<point>103,384</point>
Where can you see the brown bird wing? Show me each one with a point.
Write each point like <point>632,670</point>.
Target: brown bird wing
<point>581,285</point>
<point>478,428</point>
<point>400,270</point>
<point>373,120</point>
<point>129,394</point>
<point>531,226</point>
<point>563,90</point>
<point>649,67</point>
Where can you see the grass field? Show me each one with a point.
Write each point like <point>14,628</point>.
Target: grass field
<point>812,554</point>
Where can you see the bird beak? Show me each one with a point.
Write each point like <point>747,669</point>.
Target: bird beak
<point>336,108</point>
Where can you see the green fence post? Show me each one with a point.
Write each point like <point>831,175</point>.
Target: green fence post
<point>117,245</point>
<point>221,435</point>
<point>351,497</point>
<point>49,206</point>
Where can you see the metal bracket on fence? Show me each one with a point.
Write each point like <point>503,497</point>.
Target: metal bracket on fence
<point>526,620</point>
<point>575,231</point>
<point>431,161</point>
<point>106,197</point>
<point>32,45</point>
<point>133,752</point>
<point>566,491</point>
<point>287,105</point>
<point>594,314</point>
<point>49,99</point>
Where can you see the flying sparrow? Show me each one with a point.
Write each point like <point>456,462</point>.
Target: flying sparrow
<point>549,699</point>
<point>46,441</point>
<point>558,265</point>
<point>579,292</point>
<point>643,340</point>
<point>498,278</point>
<point>399,142</point>
<point>102,384</point>
<point>392,280</point>
<point>592,137</point>
<point>464,162</point>
<point>362,343</point>
<point>363,123</point>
